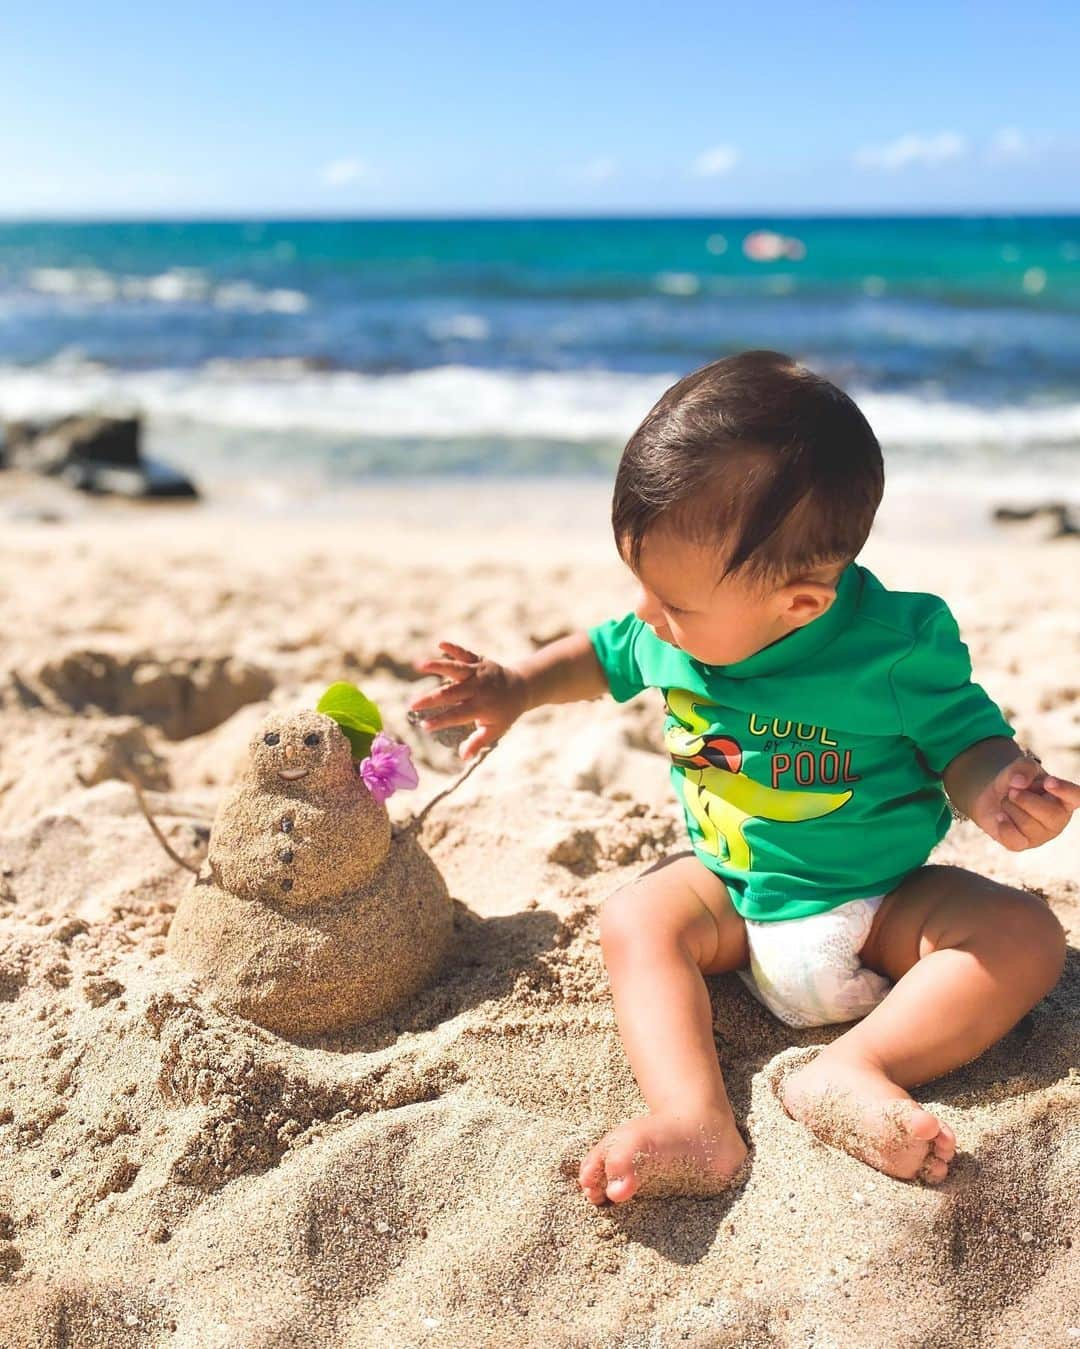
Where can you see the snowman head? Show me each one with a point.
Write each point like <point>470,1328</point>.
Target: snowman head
<point>302,751</point>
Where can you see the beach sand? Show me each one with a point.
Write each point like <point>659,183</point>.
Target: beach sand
<point>174,1176</point>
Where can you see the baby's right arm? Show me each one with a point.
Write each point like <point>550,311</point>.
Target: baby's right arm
<point>494,696</point>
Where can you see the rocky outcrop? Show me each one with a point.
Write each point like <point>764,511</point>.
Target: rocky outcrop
<point>93,453</point>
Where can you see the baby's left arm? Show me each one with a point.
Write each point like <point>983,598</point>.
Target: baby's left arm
<point>1009,795</point>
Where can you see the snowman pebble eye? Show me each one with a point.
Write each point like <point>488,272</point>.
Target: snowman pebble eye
<point>313,738</point>
<point>272,739</point>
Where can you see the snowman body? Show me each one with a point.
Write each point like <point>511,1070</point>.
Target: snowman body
<point>311,917</point>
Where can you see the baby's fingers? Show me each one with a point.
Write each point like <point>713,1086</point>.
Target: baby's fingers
<point>1068,793</point>
<point>447,669</point>
<point>1008,835</point>
<point>1040,806</point>
<point>1031,832</point>
<point>447,695</point>
<point>457,715</point>
<point>460,652</point>
<point>480,739</point>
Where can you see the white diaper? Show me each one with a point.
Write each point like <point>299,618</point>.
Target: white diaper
<point>806,970</point>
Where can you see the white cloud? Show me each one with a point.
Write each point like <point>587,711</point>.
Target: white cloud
<point>340,172</point>
<point>1009,145</point>
<point>600,170</point>
<point>711,163</point>
<point>912,149</point>
<point>1009,141</point>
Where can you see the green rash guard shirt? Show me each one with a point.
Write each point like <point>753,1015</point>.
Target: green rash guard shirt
<point>810,772</point>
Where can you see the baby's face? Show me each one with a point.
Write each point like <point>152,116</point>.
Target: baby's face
<point>718,623</point>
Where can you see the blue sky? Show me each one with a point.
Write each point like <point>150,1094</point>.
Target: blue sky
<point>352,109</point>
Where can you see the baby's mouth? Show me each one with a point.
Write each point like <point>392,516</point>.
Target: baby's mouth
<point>291,774</point>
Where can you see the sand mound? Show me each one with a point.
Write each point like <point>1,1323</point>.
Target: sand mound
<point>92,853</point>
<point>46,757</point>
<point>173,1175</point>
<point>183,695</point>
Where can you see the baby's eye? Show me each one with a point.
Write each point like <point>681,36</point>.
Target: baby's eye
<point>672,610</point>
<point>272,738</point>
<point>312,738</point>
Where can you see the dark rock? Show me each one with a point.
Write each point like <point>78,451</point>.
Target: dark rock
<point>46,447</point>
<point>149,479</point>
<point>1059,514</point>
<point>93,454</point>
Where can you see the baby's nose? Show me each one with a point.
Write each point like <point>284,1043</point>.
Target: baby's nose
<point>288,751</point>
<point>647,608</point>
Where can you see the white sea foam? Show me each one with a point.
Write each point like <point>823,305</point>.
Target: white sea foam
<point>178,285</point>
<point>678,283</point>
<point>455,401</point>
<point>445,402</point>
<point>459,327</point>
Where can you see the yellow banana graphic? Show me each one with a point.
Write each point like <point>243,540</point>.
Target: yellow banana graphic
<point>719,796</point>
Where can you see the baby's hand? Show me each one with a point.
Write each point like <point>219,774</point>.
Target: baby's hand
<point>1023,808</point>
<point>477,690</point>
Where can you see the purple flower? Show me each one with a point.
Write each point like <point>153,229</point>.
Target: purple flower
<point>388,767</point>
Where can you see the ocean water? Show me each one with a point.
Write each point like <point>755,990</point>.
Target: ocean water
<point>333,350</point>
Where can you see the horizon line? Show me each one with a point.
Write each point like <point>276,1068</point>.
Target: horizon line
<point>496,216</point>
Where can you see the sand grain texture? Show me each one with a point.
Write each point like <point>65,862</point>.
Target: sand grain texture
<point>173,1175</point>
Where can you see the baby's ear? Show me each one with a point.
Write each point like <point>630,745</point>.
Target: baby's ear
<point>807,600</point>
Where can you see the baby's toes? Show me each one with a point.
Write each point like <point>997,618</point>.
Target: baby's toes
<point>933,1171</point>
<point>622,1181</point>
<point>945,1144</point>
<point>591,1176</point>
<point>922,1125</point>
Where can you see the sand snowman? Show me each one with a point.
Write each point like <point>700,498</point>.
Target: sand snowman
<point>310,916</point>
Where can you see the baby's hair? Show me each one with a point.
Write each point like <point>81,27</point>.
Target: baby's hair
<point>758,455</point>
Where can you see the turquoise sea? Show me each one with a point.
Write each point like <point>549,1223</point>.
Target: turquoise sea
<point>335,349</point>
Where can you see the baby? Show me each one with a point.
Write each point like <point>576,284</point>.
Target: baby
<point>818,726</point>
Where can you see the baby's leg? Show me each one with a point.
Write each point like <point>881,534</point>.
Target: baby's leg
<point>969,958</point>
<point>659,936</point>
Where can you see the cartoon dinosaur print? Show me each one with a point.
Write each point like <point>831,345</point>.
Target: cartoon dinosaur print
<point>718,795</point>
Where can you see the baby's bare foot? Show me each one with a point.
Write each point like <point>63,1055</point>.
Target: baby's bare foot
<point>850,1104</point>
<point>664,1154</point>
